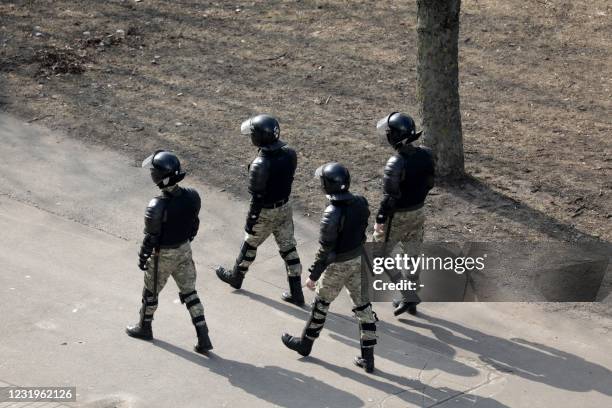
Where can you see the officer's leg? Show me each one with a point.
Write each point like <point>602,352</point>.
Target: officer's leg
<point>366,317</point>
<point>185,278</point>
<point>328,288</point>
<point>285,239</point>
<point>142,329</point>
<point>393,246</point>
<point>413,231</point>
<point>248,251</point>
<point>389,240</point>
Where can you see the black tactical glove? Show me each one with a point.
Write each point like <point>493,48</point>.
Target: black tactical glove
<point>315,271</point>
<point>142,264</point>
<point>250,223</point>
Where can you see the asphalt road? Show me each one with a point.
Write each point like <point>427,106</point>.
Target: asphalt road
<point>70,222</point>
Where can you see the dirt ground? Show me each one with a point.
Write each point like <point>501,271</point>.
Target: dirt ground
<point>536,81</point>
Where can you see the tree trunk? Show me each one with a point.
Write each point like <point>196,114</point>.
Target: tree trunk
<point>438,83</point>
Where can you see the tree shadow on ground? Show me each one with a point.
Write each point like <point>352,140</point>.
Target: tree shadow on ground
<point>410,337</point>
<point>477,192</point>
<point>532,361</point>
<point>277,385</point>
<point>480,194</point>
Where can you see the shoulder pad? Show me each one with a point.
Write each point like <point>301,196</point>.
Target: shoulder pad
<point>395,166</point>
<point>428,153</point>
<point>330,224</point>
<point>258,175</point>
<point>192,193</point>
<point>156,202</point>
<point>289,150</point>
<point>155,209</point>
<point>331,215</point>
<point>363,200</point>
<point>395,162</point>
<point>257,162</point>
<point>258,166</point>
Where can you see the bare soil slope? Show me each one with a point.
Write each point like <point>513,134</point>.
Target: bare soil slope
<point>535,88</point>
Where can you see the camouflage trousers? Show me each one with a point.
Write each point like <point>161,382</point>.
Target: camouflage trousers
<point>178,263</point>
<point>406,226</point>
<point>338,275</point>
<point>277,222</point>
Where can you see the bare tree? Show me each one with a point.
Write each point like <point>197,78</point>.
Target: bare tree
<point>438,83</point>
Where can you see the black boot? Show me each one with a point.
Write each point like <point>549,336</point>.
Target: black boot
<point>366,361</point>
<point>402,306</point>
<point>233,277</point>
<point>204,345</point>
<point>295,294</point>
<point>142,329</point>
<point>302,345</point>
<point>314,325</point>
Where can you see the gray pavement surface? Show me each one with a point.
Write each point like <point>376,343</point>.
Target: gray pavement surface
<point>70,223</point>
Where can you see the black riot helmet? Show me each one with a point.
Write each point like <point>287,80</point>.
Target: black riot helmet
<point>264,131</point>
<point>398,128</point>
<point>335,181</point>
<point>165,168</point>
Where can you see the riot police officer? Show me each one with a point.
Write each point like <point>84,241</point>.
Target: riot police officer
<point>270,212</point>
<point>171,223</point>
<point>408,177</point>
<point>338,264</point>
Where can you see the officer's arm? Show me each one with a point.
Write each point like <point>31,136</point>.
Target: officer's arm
<point>366,205</point>
<point>391,188</point>
<point>293,159</point>
<point>258,178</point>
<point>153,224</point>
<point>197,203</point>
<point>328,236</point>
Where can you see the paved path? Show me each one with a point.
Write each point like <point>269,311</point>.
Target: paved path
<point>70,221</point>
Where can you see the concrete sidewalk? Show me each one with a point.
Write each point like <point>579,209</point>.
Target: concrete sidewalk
<point>71,219</point>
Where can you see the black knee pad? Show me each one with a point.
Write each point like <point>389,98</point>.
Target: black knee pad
<point>192,302</point>
<point>148,298</point>
<point>367,326</point>
<point>362,307</point>
<point>243,250</point>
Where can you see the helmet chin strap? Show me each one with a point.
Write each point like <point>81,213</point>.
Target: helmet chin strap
<point>169,189</point>
<point>169,182</point>
<point>400,144</point>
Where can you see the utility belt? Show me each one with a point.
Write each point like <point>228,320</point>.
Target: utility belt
<point>348,255</point>
<point>174,246</point>
<point>276,204</point>
<point>410,208</point>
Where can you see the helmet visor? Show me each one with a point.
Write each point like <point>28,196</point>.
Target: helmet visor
<point>148,162</point>
<point>245,128</point>
<point>382,126</point>
<point>319,172</point>
<point>319,176</point>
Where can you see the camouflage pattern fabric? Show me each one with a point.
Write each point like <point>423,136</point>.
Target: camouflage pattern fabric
<point>178,263</point>
<point>347,274</point>
<point>406,226</point>
<point>277,222</point>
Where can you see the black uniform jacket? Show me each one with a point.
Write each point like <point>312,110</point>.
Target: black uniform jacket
<point>342,233</point>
